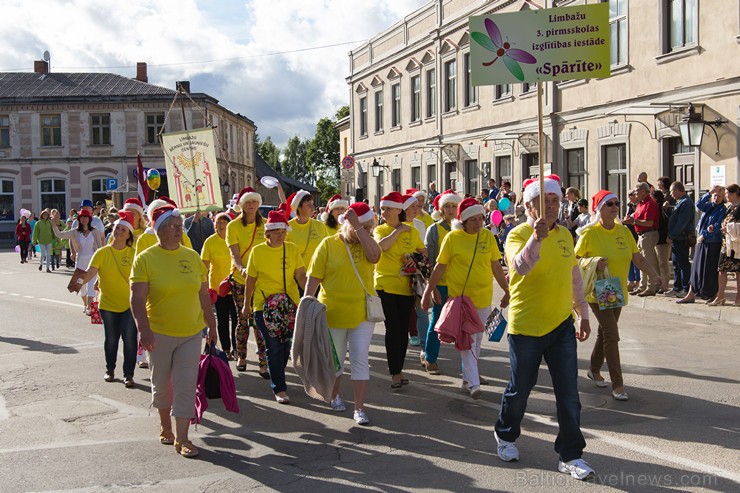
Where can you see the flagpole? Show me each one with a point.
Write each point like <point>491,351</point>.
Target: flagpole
<point>185,128</point>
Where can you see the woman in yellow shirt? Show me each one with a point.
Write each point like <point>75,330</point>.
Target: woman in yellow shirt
<point>148,237</point>
<point>112,265</point>
<point>139,223</point>
<point>271,268</point>
<point>338,265</point>
<point>242,234</point>
<point>305,231</point>
<point>171,306</point>
<point>469,259</point>
<point>614,243</point>
<point>217,259</point>
<point>334,208</point>
<point>396,240</point>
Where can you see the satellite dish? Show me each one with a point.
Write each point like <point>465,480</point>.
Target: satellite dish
<point>47,56</point>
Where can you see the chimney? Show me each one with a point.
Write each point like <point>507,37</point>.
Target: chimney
<point>185,84</point>
<point>41,67</point>
<point>141,74</point>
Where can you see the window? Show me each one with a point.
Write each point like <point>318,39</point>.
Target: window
<point>527,86</point>
<point>379,188</point>
<point>432,174</point>
<point>503,165</point>
<point>614,158</point>
<point>6,201</point>
<point>4,131</point>
<point>618,31</point>
<point>99,188</point>
<point>530,165</point>
<point>154,124</point>
<point>379,111</point>
<point>100,129</point>
<point>471,91</point>
<point>396,179</point>
<point>450,85</point>
<point>51,130</point>
<point>53,195</point>
<point>502,91</point>
<point>431,93</point>
<point>576,169</point>
<point>451,176</point>
<point>396,111</point>
<point>472,176</point>
<point>416,177</point>
<point>681,23</point>
<point>679,164</point>
<point>363,116</point>
<point>415,98</point>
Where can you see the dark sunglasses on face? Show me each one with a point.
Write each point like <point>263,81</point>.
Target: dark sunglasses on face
<point>613,203</point>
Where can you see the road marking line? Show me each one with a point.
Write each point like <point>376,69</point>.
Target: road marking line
<point>60,302</point>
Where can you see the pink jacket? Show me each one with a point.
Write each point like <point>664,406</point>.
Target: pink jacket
<point>458,321</point>
<point>226,381</point>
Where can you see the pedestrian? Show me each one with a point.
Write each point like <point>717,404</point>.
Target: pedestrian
<point>681,233</point>
<point>492,189</point>
<point>422,215</point>
<point>447,205</point>
<point>334,208</point>
<point>270,267</point>
<point>85,240</point>
<point>646,220</point>
<point>469,261</point>
<point>112,265</point>
<point>32,220</point>
<point>615,247</point>
<point>545,285</point>
<point>431,196</point>
<point>199,227</point>
<point>68,262</point>
<point>305,231</point>
<point>149,237</point>
<point>134,206</point>
<point>419,319</point>
<point>43,237</point>
<point>729,257</point>
<point>217,259</point>
<point>663,248</point>
<point>396,240</point>
<point>634,274</point>
<point>569,209</point>
<point>23,236</point>
<point>245,232</point>
<point>170,303</point>
<point>343,265</point>
<point>97,223</point>
<point>704,268</point>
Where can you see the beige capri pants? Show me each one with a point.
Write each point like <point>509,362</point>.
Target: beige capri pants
<point>174,373</point>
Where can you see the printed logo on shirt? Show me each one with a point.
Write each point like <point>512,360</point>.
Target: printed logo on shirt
<point>185,267</point>
<point>564,250</point>
<point>621,243</point>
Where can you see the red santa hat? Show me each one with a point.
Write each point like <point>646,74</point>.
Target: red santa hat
<point>469,208</point>
<point>157,203</point>
<point>276,220</point>
<point>600,198</point>
<point>408,201</point>
<point>449,197</point>
<point>125,219</point>
<point>295,202</point>
<point>245,195</point>
<point>133,205</point>
<point>364,214</point>
<point>532,187</point>
<point>161,214</point>
<point>336,202</point>
<point>393,199</point>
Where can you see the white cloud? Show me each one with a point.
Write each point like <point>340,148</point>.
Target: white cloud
<point>285,94</point>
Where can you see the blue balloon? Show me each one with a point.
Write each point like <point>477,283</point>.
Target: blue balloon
<point>504,204</point>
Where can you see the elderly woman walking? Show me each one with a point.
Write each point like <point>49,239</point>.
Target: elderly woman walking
<point>469,259</point>
<point>729,256</point>
<point>397,241</point>
<point>271,268</point>
<point>343,265</point>
<point>170,303</point>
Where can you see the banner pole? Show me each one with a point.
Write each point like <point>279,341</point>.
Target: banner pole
<point>541,142</point>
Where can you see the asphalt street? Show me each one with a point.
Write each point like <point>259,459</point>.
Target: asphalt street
<point>62,428</point>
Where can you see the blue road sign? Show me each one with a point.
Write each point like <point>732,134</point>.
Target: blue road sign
<point>111,183</point>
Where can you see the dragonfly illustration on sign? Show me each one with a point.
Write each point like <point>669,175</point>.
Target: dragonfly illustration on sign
<point>511,56</point>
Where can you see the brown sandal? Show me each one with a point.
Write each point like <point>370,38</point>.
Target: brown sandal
<point>166,437</point>
<point>432,368</point>
<point>186,449</point>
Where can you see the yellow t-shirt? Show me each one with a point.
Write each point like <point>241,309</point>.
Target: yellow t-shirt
<point>148,239</point>
<point>426,219</point>
<point>266,264</point>
<point>238,234</point>
<point>217,253</point>
<point>617,245</point>
<point>174,278</point>
<point>114,271</point>
<point>441,235</point>
<point>306,242</point>
<point>341,291</point>
<point>388,276</point>
<point>332,231</point>
<point>457,254</point>
<point>542,299</point>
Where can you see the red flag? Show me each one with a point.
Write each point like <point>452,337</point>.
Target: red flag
<point>141,177</point>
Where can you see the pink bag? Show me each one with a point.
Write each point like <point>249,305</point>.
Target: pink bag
<point>458,321</point>
<point>95,317</point>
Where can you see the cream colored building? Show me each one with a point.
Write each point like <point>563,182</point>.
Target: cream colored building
<point>414,110</point>
<point>64,135</point>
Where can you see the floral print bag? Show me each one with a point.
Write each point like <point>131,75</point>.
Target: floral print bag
<point>279,312</point>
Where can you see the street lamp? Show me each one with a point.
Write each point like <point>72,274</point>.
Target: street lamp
<point>375,168</point>
<point>225,186</point>
<point>691,128</point>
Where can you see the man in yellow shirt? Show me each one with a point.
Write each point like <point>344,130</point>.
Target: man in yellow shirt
<point>545,286</point>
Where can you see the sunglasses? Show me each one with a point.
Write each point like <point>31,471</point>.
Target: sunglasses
<point>613,203</point>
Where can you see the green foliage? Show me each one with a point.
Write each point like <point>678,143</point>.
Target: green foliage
<point>294,164</point>
<point>322,155</point>
<point>268,151</point>
<point>342,112</point>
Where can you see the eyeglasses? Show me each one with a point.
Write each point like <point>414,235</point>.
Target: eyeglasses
<point>613,203</point>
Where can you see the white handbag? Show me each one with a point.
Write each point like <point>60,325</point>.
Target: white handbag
<point>373,305</point>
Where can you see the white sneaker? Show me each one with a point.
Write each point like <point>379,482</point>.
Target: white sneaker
<point>360,417</point>
<point>577,468</point>
<point>475,392</point>
<point>507,451</point>
<point>337,404</point>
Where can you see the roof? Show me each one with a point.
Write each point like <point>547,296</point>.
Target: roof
<point>263,169</point>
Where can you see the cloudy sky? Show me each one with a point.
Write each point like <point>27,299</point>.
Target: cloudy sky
<point>226,48</point>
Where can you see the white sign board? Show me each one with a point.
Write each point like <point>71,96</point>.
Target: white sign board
<point>717,175</point>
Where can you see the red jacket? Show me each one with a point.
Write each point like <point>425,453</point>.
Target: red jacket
<point>458,321</point>
<point>226,382</point>
<point>23,231</point>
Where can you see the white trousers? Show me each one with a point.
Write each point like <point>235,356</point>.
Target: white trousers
<point>358,340</point>
<point>470,357</point>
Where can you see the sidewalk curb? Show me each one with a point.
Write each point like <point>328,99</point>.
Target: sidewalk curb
<point>728,314</point>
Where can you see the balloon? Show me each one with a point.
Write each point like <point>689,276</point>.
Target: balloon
<point>17,249</point>
<point>504,204</point>
<point>153,179</point>
<point>496,217</point>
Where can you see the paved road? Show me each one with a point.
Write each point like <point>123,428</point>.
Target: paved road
<point>63,429</point>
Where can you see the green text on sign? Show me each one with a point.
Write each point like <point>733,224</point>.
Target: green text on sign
<point>548,44</point>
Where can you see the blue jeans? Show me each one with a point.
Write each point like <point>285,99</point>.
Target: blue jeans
<point>45,250</point>
<point>120,326</point>
<point>277,353</point>
<point>634,274</point>
<point>525,354</point>
<point>681,265</point>
<point>432,343</point>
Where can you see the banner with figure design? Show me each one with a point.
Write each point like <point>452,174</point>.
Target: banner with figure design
<point>192,170</point>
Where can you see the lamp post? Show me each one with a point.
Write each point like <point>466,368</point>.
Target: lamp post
<point>375,168</point>
<point>691,128</point>
<point>225,188</point>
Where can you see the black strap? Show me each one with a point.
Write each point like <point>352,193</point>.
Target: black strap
<point>475,250</point>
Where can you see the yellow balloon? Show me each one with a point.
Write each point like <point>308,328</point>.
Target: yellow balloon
<point>153,179</point>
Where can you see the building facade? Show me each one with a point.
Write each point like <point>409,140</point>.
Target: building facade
<point>63,136</point>
<point>414,110</point>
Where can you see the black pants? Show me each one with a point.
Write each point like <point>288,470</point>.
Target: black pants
<point>68,260</point>
<point>397,310</point>
<point>225,310</point>
<point>24,249</point>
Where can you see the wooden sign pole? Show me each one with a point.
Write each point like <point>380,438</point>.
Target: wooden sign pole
<point>541,141</point>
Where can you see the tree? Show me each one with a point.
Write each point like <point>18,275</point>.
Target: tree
<point>322,154</point>
<point>269,152</point>
<point>294,164</point>
<point>342,112</point>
